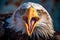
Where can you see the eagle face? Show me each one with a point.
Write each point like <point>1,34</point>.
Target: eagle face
<point>32,19</point>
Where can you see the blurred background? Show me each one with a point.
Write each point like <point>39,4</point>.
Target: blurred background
<point>7,7</point>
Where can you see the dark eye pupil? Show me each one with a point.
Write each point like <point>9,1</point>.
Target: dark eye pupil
<point>38,11</point>
<point>21,11</point>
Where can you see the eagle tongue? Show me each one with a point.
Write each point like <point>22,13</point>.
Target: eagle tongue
<point>31,25</point>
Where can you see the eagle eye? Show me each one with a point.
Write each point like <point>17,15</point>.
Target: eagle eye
<point>21,11</point>
<point>39,12</point>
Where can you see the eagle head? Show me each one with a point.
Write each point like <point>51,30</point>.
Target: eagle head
<point>32,19</point>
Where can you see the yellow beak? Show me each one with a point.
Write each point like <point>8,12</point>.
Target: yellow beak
<point>30,19</point>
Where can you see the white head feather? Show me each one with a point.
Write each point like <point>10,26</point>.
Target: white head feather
<point>44,28</point>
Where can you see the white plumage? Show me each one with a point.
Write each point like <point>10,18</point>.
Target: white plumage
<point>44,27</point>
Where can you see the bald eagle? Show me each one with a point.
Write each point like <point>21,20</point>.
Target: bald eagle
<point>31,21</point>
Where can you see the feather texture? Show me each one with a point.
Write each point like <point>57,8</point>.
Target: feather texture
<point>43,29</point>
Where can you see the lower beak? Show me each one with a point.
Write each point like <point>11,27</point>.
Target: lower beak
<point>30,20</point>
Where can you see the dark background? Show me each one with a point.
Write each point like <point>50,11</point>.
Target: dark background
<point>52,6</point>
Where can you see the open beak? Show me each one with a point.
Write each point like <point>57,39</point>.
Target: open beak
<point>30,20</point>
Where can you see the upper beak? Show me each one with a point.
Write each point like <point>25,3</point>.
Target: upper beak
<point>30,19</point>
